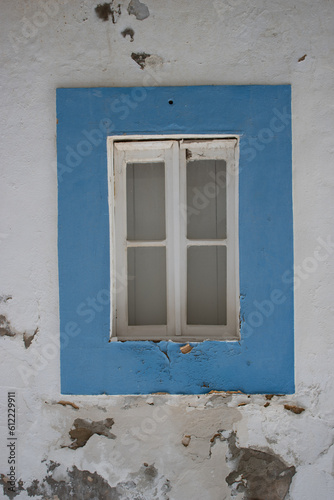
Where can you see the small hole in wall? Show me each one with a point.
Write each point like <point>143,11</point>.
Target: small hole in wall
<point>171,102</point>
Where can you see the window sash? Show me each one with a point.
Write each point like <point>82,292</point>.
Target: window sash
<point>216,150</point>
<point>173,154</point>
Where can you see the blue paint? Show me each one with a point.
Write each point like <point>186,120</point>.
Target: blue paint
<point>263,361</point>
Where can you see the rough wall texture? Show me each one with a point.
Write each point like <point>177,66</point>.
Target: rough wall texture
<point>218,446</point>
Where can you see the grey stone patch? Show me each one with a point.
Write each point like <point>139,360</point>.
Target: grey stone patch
<point>28,338</point>
<point>128,32</point>
<point>139,58</point>
<point>257,474</point>
<point>79,485</point>
<point>84,430</point>
<point>52,466</point>
<point>6,328</point>
<point>108,10</point>
<point>138,9</point>
<point>5,482</point>
<point>145,484</point>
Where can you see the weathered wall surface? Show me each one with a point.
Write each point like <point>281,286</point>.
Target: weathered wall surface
<point>218,446</point>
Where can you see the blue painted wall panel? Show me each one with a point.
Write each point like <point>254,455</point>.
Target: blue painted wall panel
<point>263,360</point>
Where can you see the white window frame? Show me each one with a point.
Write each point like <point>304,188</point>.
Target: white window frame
<point>168,149</point>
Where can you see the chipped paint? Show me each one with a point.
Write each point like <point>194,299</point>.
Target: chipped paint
<point>68,403</point>
<point>6,328</point>
<point>186,440</point>
<point>84,430</point>
<point>108,11</point>
<point>140,58</point>
<point>186,349</point>
<point>258,474</point>
<point>295,409</point>
<point>28,338</point>
<point>128,32</point>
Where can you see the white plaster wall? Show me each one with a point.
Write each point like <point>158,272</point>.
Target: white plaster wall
<point>195,42</point>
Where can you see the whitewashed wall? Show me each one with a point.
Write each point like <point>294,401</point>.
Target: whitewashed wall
<point>62,43</point>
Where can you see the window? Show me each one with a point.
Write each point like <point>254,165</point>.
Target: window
<point>175,233</point>
<point>261,358</point>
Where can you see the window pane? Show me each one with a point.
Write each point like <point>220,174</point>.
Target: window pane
<point>147,304</point>
<point>206,285</point>
<point>206,199</point>
<point>145,192</point>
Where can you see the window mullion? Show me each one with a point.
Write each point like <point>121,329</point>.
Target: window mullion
<point>170,238</point>
<point>174,246</point>
<point>182,248</point>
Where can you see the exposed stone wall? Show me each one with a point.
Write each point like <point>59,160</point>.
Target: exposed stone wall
<point>212,447</point>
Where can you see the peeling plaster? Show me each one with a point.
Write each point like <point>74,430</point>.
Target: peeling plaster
<point>295,409</point>
<point>128,32</point>
<point>5,482</point>
<point>143,59</point>
<point>84,429</point>
<point>186,440</point>
<point>140,58</point>
<point>6,328</point>
<point>108,10</point>
<point>259,475</point>
<point>145,484</point>
<point>68,403</point>
<point>28,338</point>
<point>78,484</point>
<point>186,348</point>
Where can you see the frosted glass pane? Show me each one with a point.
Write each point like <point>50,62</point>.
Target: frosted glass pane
<point>145,194</point>
<point>206,199</point>
<point>206,285</point>
<point>147,303</point>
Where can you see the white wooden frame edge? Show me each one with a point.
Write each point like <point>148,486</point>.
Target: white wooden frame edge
<point>111,203</point>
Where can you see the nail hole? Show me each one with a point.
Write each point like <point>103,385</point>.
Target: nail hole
<point>171,101</point>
